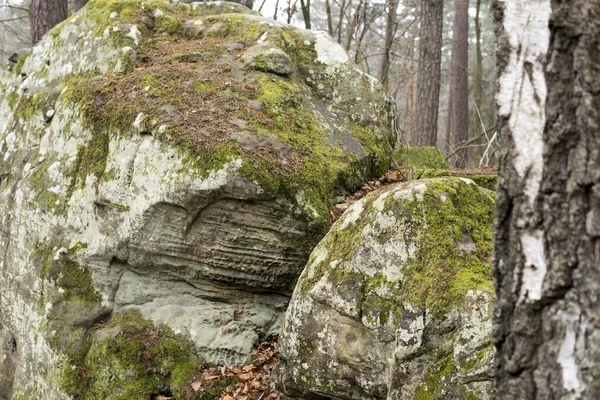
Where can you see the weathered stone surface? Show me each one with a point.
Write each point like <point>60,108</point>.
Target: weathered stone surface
<point>395,302</point>
<point>144,169</point>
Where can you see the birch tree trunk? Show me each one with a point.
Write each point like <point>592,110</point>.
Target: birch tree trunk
<point>547,252</point>
<point>429,71</point>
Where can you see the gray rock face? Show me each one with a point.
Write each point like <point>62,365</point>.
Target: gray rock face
<point>144,168</point>
<point>395,302</point>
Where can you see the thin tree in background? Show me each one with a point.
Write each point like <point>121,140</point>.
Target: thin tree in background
<point>547,231</point>
<point>390,31</point>
<point>45,15</point>
<point>479,70</point>
<point>409,67</point>
<point>338,29</point>
<point>460,81</point>
<point>305,7</point>
<point>329,18</point>
<point>429,71</point>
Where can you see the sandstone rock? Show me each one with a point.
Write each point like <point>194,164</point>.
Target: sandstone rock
<point>395,302</point>
<point>145,169</point>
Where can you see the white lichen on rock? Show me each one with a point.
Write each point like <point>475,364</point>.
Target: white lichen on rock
<point>391,304</point>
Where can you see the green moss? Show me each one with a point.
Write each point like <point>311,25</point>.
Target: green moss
<point>31,105</point>
<point>154,86</point>
<point>12,98</point>
<point>167,24</point>
<point>74,280</point>
<point>313,174</point>
<point>485,181</point>
<point>131,358</point>
<point>202,87</point>
<point>18,68</point>
<point>476,360</point>
<point>435,378</point>
<point>449,224</point>
<point>441,273</point>
<point>421,157</point>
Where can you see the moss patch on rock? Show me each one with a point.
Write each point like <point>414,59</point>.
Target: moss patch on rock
<point>130,358</point>
<point>420,157</point>
<point>487,181</point>
<point>449,224</point>
<point>216,110</point>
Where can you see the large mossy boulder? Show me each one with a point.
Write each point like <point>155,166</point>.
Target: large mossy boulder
<point>171,160</point>
<point>395,302</point>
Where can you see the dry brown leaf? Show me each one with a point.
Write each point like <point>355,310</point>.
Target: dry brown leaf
<point>196,385</point>
<point>244,377</point>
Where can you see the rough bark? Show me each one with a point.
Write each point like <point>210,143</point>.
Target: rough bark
<point>460,82</point>
<point>390,31</point>
<point>45,15</point>
<point>78,4</point>
<point>547,252</point>
<point>429,71</point>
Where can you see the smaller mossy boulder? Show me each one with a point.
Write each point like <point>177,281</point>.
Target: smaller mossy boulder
<point>395,302</point>
<point>131,358</point>
<point>420,158</point>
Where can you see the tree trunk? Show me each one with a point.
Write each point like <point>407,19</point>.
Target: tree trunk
<point>45,15</point>
<point>340,24</point>
<point>390,31</point>
<point>351,24</point>
<point>449,115</point>
<point>547,231</point>
<point>276,9</point>
<point>78,4</point>
<point>429,74</point>
<point>460,81</point>
<point>479,71</point>
<point>305,7</point>
<point>409,67</point>
<point>329,19</point>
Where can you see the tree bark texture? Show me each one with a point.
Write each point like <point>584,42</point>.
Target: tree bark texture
<point>460,81</point>
<point>45,15</point>
<point>429,72</point>
<point>78,4</point>
<point>547,246</point>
